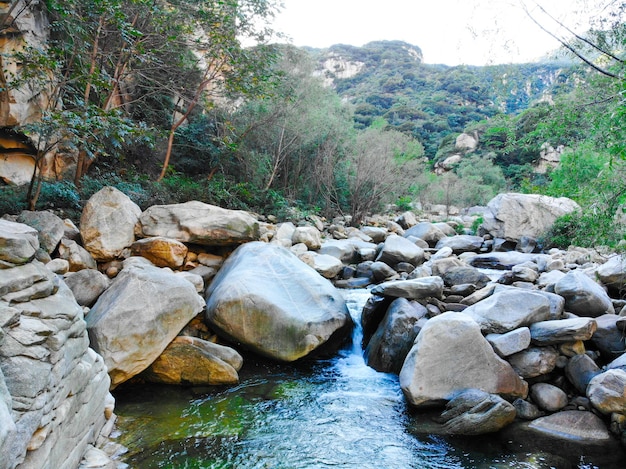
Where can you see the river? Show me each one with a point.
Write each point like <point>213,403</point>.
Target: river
<point>336,413</point>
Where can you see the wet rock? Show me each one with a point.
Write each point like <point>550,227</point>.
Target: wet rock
<point>395,335</point>
<point>526,410</point>
<point>195,362</point>
<point>273,304</point>
<point>450,354</point>
<point>475,412</point>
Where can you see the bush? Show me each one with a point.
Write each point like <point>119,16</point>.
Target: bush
<point>12,199</point>
<point>588,230</point>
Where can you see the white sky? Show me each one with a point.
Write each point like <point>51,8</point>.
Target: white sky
<point>452,32</point>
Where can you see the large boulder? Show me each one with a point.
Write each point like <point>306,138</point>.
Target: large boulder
<point>162,252</point>
<point>397,249</point>
<point>450,354</point>
<point>461,243</point>
<point>18,243</point>
<point>395,335</point>
<point>607,391</point>
<point>414,289</point>
<point>199,223</point>
<point>107,224</point>
<point>196,362</point>
<point>583,296</point>
<point>613,272</point>
<point>138,316</point>
<point>87,285</point>
<point>509,309</point>
<point>513,216</point>
<point>265,298</point>
<point>427,231</point>
<point>50,227</point>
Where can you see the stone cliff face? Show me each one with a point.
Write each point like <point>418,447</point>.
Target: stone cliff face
<point>54,389</point>
<point>23,24</point>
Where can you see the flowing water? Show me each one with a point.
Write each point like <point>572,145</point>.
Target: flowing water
<point>336,413</point>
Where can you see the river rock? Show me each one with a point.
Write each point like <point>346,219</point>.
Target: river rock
<point>509,309</point>
<point>272,303</point>
<point>512,216</point>
<point>613,272</point>
<point>395,335</point>
<point>476,412</point>
<point>397,249</point>
<point>138,316</point>
<point>309,236</point>
<point>580,370</point>
<point>87,285</point>
<point>372,314</point>
<point>107,223</point>
<point>562,331</point>
<point>535,361</point>
<point>511,342</point>
<point>461,243</point>
<point>548,397</point>
<point>50,228</point>
<point>326,265</point>
<point>76,255</point>
<point>18,242</point>
<point>505,260</point>
<point>381,271</point>
<point>426,231</point>
<point>376,233</point>
<point>346,250</point>
<point>192,361</point>
<point>415,289</point>
<point>608,338</point>
<point>607,392</point>
<point>527,410</point>
<point>161,251</point>
<point>198,223</point>
<point>583,296</point>
<point>464,275</point>
<point>450,354</point>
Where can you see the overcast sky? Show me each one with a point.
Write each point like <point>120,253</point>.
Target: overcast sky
<point>475,32</point>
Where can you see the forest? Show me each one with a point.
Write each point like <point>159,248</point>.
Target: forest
<point>168,103</point>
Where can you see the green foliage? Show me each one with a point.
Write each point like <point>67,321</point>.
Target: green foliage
<point>12,199</point>
<point>589,229</point>
<point>404,203</point>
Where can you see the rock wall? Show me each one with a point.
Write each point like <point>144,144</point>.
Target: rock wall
<point>54,389</point>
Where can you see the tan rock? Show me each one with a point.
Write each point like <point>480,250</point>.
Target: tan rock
<point>162,252</point>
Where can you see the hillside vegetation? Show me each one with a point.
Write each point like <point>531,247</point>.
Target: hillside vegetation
<point>166,105</point>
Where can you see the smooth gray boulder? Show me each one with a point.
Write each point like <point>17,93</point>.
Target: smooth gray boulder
<point>107,223</point>
<point>463,275</point>
<point>511,342</point>
<point>346,250</point>
<point>513,216</point>
<point>324,264</point>
<point>583,296</point>
<point>199,223</point>
<point>136,318</point>
<point>426,231</point>
<point>461,243</point>
<point>397,249</point>
<point>414,289</point>
<point>450,354</point>
<point>309,236</point>
<point>613,272</point>
<point>548,397</point>
<point>87,285</point>
<point>534,361</point>
<point>50,228</point>
<point>608,338</point>
<point>270,302</point>
<point>509,309</point>
<point>476,412</point>
<point>395,335</point>
<point>562,330</point>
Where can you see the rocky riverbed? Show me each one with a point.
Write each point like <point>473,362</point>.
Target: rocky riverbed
<point>533,346</point>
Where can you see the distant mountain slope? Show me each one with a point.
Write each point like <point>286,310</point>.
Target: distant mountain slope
<point>389,79</point>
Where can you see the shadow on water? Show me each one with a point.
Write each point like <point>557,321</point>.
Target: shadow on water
<point>336,413</point>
